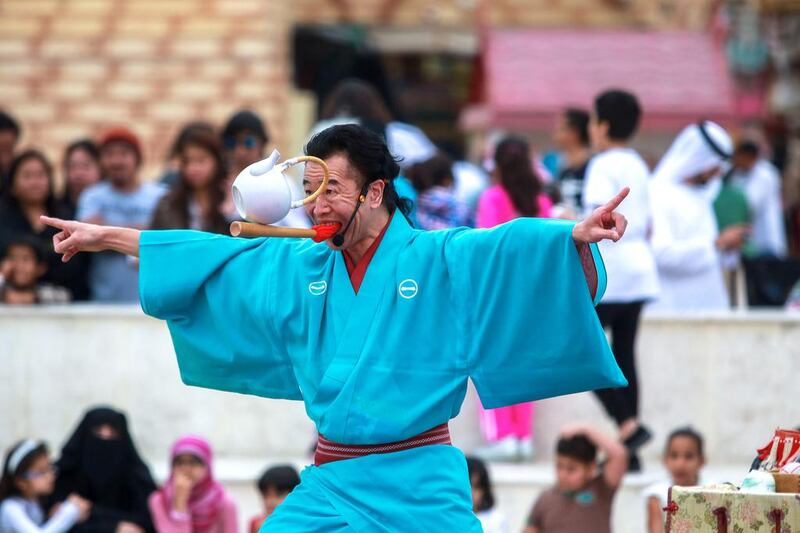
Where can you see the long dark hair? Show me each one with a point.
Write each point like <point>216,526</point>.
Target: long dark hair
<point>91,149</point>
<point>478,471</point>
<point>513,163</point>
<point>179,197</point>
<point>8,482</point>
<point>16,164</point>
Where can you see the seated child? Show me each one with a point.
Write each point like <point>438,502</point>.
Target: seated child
<point>22,265</point>
<point>581,500</point>
<point>274,485</point>
<point>28,477</point>
<point>492,520</point>
<point>683,458</point>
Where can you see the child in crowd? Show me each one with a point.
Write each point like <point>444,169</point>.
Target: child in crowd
<point>631,265</point>
<point>274,485</point>
<point>581,500</point>
<point>22,266</point>
<point>437,204</point>
<point>516,192</point>
<point>192,501</point>
<point>28,476</point>
<point>492,520</point>
<point>683,459</point>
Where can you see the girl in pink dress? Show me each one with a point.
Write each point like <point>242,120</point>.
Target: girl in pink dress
<point>516,192</point>
<point>192,501</point>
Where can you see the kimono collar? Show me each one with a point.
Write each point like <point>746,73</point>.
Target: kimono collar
<point>395,231</point>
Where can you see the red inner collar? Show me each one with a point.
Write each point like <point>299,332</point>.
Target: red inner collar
<point>357,271</point>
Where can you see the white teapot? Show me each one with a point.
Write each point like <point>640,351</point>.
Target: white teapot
<point>261,192</point>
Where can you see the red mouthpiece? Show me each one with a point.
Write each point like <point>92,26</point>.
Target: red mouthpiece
<point>325,231</point>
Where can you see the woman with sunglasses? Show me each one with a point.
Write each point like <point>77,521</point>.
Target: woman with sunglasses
<point>28,477</point>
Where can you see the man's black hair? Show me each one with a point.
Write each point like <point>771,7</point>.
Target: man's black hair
<point>747,147</point>
<point>621,110</point>
<point>367,152</point>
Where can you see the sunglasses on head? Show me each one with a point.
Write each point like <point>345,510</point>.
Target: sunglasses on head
<point>248,141</point>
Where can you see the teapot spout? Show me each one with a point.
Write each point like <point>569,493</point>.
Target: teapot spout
<point>265,165</point>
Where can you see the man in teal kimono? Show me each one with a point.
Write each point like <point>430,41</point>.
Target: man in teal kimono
<point>378,331</point>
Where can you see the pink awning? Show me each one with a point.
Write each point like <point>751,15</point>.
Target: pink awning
<point>531,75</point>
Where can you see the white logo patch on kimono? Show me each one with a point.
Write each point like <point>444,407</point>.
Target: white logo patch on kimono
<point>408,289</point>
<point>318,288</point>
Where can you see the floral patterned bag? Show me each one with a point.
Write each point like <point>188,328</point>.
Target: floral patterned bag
<point>701,510</point>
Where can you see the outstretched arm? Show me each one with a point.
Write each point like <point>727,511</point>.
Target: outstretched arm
<point>77,237</point>
<point>604,223</point>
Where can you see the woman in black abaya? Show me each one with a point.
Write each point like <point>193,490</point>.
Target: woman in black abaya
<point>100,463</point>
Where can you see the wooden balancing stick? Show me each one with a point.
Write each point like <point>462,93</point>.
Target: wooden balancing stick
<point>318,233</point>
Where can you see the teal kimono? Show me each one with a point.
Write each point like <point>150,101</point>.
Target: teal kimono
<point>507,307</point>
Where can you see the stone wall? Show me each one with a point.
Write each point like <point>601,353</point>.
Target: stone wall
<point>731,376</point>
<point>70,68</point>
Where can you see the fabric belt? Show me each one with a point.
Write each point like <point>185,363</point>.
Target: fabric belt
<point>329,451</point>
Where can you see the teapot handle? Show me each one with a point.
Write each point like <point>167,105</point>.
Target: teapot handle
<point>325,174</point>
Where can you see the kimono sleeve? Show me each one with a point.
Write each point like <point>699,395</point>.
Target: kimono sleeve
<point>216,294</point>
<point>528,320</point>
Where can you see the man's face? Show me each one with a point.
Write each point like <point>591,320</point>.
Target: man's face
<point>564,136</point>
<point>8,140</point>
<point>598,132</point>
<point>704,177</point>
<point>243,149</point>
<point>572,475</point>
<point>120,163</point>
<point>744,161</point>
<point>339,201</point>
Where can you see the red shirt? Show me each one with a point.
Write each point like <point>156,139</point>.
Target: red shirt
<point>358,271</point>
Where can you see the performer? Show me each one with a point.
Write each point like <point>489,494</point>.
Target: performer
<point>378,331</point>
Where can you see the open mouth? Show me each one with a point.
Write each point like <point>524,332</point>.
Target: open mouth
<point>326,230</point>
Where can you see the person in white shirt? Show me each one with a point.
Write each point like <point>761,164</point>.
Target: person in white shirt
<point>761,183</point>
<point>632,278</point>
<point>685,238</point>
<point>28,476</point>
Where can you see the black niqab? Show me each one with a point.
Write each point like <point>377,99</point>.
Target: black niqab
<point>109,473</point>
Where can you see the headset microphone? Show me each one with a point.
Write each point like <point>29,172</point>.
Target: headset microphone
<point>338,239</point>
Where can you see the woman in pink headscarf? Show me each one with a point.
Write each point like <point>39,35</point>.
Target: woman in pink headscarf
<point>192,501</point>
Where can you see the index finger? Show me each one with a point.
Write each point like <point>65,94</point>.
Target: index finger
<point>614,202</point>
<point>55,222</point>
